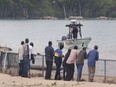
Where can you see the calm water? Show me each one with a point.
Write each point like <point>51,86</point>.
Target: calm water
<point>102,32</point>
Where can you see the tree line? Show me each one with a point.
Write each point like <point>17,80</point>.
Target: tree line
<point>57,8</point>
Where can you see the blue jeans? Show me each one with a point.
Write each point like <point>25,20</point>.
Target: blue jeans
<point>25,66</point>
<point>58,68</point>
<point>79,71</point>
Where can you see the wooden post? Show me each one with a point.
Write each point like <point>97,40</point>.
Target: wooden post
<point>105,71</point>
<point>43,65</point>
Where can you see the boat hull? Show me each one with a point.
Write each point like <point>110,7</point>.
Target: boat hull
<point>70,43</point>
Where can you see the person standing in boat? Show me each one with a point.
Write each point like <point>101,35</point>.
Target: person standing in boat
<point>20,52</point>
<point>74,31</point>
<point>58,61</point>
<point>92,57</point>
<point>79,27</point>
<point>49,53</point>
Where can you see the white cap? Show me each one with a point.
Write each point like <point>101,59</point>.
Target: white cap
<point>73,21</point>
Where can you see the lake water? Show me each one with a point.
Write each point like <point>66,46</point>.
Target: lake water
<point>102,32</point>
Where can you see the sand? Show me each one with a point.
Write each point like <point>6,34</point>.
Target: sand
<point>16,81</point>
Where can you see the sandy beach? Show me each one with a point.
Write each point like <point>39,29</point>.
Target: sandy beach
<point>16,81</point>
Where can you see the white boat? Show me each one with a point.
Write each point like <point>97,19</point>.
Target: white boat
<point>70,42</point>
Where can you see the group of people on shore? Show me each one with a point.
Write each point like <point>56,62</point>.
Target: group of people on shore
<point>25,56</point>
<point>68,61</point>
<point>71,58</point>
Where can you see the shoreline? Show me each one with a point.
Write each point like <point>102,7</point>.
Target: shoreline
<point>16,81</point>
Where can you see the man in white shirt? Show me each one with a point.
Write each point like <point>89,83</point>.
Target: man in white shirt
<point>31,55</point>
<point>20,52</point>
<point>31,52</point>
<point>31,49</point>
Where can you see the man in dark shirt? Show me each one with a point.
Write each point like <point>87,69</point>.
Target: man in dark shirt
<point>64,63</point>
<point>80,62</point>
<point>49,53</point>
<point>75,32</point>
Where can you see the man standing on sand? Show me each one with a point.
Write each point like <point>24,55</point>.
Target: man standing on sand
<point>20,52</point>
<point>64,63</point>
<point>92,57</point>
<point>26,60</point>
<point>49,53</point>
<point>58,61</point>
<point>80,62</point>
<point>70,63</point>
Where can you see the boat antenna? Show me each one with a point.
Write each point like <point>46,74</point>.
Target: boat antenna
<point>79,9</point>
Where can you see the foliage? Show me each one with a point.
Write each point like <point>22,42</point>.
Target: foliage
<point>40,8</point>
